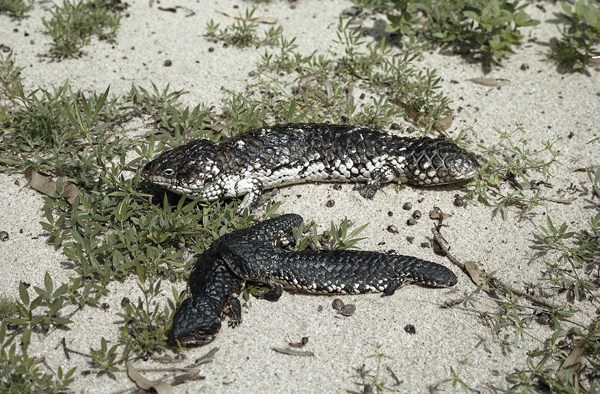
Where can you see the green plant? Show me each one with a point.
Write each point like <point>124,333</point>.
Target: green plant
<point>455,380</point>
<point>9,73</point>
<point>578,40</point>
<point>20,373</point>
<point>72,24</point>
<point>8,307</point>
<point>487,28</point>
<point>375,380</point>
<point>105,358</point>
<point>242,33</point>
<point>54,301</point>
<point>15,8</point>
<point>145,330</point>
<point>519,160</point>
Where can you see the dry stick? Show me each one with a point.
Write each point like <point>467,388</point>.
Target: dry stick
<point>497,283</point>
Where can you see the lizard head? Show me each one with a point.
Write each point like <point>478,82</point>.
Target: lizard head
<point>196,322</point>
<point>183,170</point>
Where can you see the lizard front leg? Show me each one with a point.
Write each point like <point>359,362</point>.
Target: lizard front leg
<point>378,177</point>
<point>250,188</point>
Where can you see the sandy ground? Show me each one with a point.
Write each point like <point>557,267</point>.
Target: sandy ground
<point>546,101</point>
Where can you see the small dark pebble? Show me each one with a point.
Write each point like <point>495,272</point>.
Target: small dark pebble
<point>357,187</point>
<point>125,301</point>
<point>330,203</point>
<point>211,49</point>
<point>368,389</point>
<point>352,11</point>
<point>425,245</point>
<point>225,45</point>
<point>362,96</point>
<point>27,285</point>
<point>409,328</point>
<point>320,308</point>
<point>17,183</point>
<point>105,306</point>
<point>337,304</point>
<point>410,239</point>
<point>390,213</point>
<point>391,251</point>
<point>293,6</point>
<point>407,206</point>
<point>524,66</point>
<point>21,231</point>
<point>168,63</point>
<point>411,222</point>
<point>3,236</point>
<point>392,229</point>
<point>395,126</point>
<point>458,202</point>
<point>381,243</point>
<point>348,310</point>
<point>86,372</point>
<point>337,187</point>
<point>252,74</point>
<point>543,319</point>
<point>417,215</point>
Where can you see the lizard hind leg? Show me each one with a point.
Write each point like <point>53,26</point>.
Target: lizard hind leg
<point>394,285</point>
<point>273,294</point>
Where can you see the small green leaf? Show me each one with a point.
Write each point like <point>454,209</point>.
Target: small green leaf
<point>24,294</point>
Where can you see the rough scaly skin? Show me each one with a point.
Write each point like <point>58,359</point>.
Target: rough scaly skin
<point>214,290</point>
<point>253,253</point>
<point>325,272</point>
<point>284,155</point>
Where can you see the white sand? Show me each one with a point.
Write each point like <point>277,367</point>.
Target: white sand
<point>545,101</point>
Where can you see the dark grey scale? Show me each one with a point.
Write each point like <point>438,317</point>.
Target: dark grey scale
<point>328,272</point>
<point>213,289</point>
<point>283,155</point>
<point>213,286</point>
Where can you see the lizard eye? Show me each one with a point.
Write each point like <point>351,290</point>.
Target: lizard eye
<point>169,172</point>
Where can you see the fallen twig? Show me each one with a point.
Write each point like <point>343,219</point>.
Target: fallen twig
<point>496,283</point>
<point>293,352</point>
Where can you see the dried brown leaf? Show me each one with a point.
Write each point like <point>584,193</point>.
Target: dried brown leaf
<point>572,362</point>
<point>475,274</point>
<point>145,384</point>
<point>488,82</point>
<point>166,359</point>
<point>446,122</point>
<point>44,184</point>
